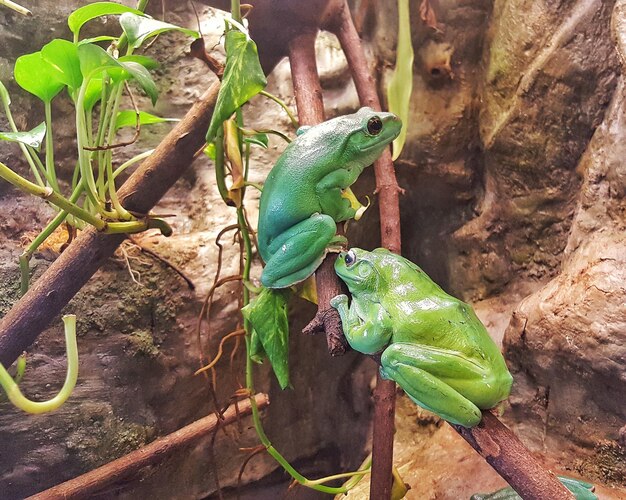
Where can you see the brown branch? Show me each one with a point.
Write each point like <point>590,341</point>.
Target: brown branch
<point>129,466</point>
<point>308,92</point>
<point>65,276</point>
<point>389,206</point>
<point>497,444</point>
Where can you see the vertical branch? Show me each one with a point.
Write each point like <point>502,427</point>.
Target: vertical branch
<point>308,92</point>
<point>389,206</point>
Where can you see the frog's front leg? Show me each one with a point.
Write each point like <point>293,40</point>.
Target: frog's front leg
<point>297,252</point>
<point>367,329</point>
<point>421,371</point>
<point>329,191</point>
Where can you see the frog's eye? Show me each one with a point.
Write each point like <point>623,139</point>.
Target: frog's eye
<point>350,258</point>
<point>374,125</point>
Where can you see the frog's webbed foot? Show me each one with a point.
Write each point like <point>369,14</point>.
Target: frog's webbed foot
<point>298,252</point>
<point>410,366</point>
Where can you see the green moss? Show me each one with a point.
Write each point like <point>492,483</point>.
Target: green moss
<point>142,343</point>
<point>101,437</point>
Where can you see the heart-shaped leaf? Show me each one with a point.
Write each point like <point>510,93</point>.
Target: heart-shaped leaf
<point>128,118</point>
<point>80,16</point>
<point>140,28</point>
<point>35,75</point>
<point>63,59</point>
<point>267,314</point>
<point>243,79</point>
<point>33,138</point>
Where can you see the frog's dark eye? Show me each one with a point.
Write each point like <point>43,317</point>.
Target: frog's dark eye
<point>374,125</point>
<point>350,258</point>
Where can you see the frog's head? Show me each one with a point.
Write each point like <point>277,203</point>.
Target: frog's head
<point>362,271</point>
<point>368,132</point>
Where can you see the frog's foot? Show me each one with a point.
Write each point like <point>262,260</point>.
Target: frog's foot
<point>410,365</point>
<point>337,244</point>
<point>298,252</point>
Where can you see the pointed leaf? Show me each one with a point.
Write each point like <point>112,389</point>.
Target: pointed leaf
<point>63,59</point>
<point>268,315</point>
<point>80,16</point>
<point>142,76</point>
<point>33,138</point>
<point>145,61</point>
<point>243,79</point>
<point>401,83</point>
<point>128,118</point>
<point>36,76</point>
<point>140,28</point>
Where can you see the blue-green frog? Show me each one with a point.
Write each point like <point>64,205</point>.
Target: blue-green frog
<point>307,192</point>
<point>433,345</point>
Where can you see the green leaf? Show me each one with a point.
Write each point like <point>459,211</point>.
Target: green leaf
<point>63,59</point>
<point>33,138</point>
<point>36,76</point>
<point>267,314</point>
<point>401,82</point>
<point>145,61</point>
<point>80,16</point>
<point>258,139</point>
<point>257,353</point>
<point>209,150</point>
<point>94,59</point>
<point>243,79</point>
<point>142,76</point>
<point>140,28</point>
<point>128,118</point>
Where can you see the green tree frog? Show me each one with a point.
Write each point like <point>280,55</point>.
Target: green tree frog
<point>307,192</point>
<point>433,345</point>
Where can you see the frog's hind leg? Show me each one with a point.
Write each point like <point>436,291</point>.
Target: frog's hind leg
<point>297,252</point>
<point>410,365</point>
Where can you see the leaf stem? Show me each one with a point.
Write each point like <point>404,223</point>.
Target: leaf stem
<point>25,404</point>
<point>282,104</point>
<point>53,197</point>
<point>52,176</point>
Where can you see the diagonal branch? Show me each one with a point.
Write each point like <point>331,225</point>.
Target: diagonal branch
<point>65,276</point>
<point>129,466</point>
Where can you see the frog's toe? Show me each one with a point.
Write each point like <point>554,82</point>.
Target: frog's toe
<point>338,301</point>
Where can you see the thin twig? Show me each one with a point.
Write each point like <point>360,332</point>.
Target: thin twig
<point>165,261</point>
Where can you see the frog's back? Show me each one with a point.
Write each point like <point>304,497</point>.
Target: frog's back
<point>289,192</point>
<point>431,316</point>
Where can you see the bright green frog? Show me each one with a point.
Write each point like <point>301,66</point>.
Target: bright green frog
<point>432,344</point>
<point>305,193</point>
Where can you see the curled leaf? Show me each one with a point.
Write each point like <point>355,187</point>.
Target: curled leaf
<point>33,138</point>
